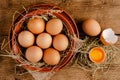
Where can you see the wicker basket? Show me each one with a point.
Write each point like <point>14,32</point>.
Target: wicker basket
<point>40,9</point>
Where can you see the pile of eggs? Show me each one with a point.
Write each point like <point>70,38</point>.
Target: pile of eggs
<point>43,40</point>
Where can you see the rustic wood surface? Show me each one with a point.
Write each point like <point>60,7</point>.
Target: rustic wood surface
<point>106,12</point>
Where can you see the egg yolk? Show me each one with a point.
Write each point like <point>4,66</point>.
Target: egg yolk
<point>97,55</point>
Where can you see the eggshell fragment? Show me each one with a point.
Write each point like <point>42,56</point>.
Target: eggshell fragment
<point>54,26</point>
<point>26,39</point>
<point>51,56</point>
<point>91,27</point>
<point>108,37</point>
<point>60,42</point>
<point>44,40</point>
<point>34,54</point>
<point>36,25</point>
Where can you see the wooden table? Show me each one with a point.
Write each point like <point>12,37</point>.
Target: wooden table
<point>106,12</point>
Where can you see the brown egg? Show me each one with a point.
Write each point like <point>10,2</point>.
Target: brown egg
<point>34,54</point>
<point>91,27</point>
<point>60,42</point>
<point>26,38</point>
<point>36,25</point>
<point>51,56</point>
<point>54,26</point>
<point>44,40</point>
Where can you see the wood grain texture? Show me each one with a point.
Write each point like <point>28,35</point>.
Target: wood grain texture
<point>106,12</point>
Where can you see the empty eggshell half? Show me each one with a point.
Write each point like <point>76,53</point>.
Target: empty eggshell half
<point>108,37</point>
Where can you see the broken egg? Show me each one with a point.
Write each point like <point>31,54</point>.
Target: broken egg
<point>97,54</point>
<point>108,37</point>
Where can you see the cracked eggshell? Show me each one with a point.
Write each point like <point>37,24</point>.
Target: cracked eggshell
<point>108,37</point>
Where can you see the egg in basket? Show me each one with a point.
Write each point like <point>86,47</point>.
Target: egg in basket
<point>41,38</point>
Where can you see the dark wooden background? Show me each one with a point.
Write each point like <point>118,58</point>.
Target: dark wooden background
<point>106,12</point>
